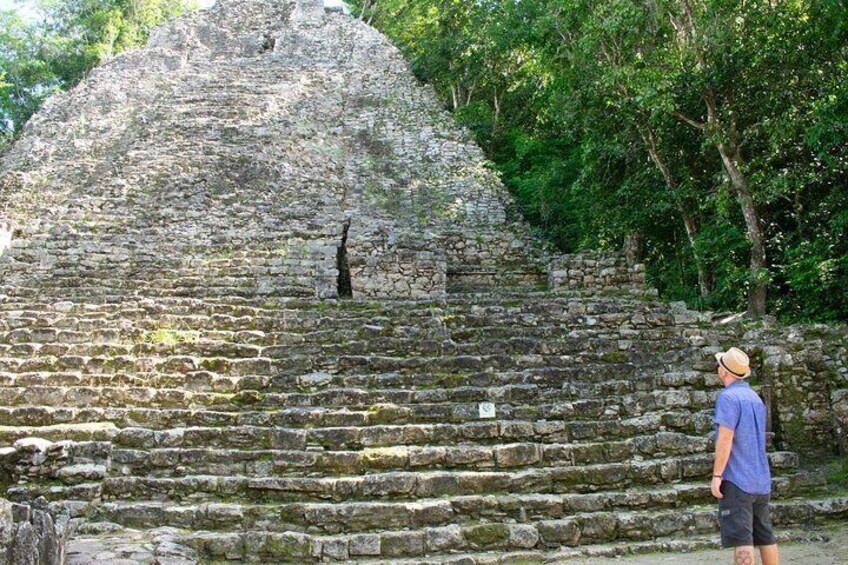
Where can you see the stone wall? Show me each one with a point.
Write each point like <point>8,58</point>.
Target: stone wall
<point>805,367</point>
<point>386,263</point>
<point>29,535</point>
<point>801,372</point>
<point>594,271</point>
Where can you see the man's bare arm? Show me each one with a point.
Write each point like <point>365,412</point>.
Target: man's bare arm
<point>724,443</point>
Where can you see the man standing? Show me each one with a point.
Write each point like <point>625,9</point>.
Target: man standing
<point>741,478</point>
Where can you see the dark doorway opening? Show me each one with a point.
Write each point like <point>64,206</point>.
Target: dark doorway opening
<point>345,289</point>
<point>268,44</point>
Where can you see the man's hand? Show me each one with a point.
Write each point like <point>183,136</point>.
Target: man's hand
<point>715,487</point>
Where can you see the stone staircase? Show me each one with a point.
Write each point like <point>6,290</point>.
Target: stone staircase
<point>182,380</point>
<point>305,430</point>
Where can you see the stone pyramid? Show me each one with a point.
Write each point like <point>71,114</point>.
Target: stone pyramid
<point>183,379</point>
<point>250,146</point>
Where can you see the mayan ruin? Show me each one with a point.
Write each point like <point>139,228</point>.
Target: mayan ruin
<point>263,301</point>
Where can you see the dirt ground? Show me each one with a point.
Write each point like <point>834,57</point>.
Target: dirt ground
<point>831,552</point>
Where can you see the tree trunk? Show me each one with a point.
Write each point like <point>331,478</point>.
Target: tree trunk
<point>633,248</point>
<point>704,282</point>
<point>731,158</point>
<point>454,97</point>
<point>688,219</point>
<point>759,284</point>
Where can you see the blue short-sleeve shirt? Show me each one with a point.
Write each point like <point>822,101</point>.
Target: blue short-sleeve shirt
<point>741,409</point>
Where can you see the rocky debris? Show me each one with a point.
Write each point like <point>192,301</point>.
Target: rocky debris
<point>118,546</point>
<point>72,462</point>
<point>29,535</point>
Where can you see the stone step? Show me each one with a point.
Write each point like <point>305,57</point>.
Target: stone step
<point>274,430</point>
<point>449,404</point>
<point>663,547</point>
<point>468,311</point>
<point>299,363</point>
<point>304,320</point>
<point>468,319</point>
<point>341,331</point>
<point>592,386</point>
<point>465,321</point>
<point>142,340</point>
<point>402,485</point>
<point>204,269</point>
<point>34,327</point>
<point>543,535</point>
<point>373,516</point>
<point>568,496</point>
<point>107,540</point>
<point>168,462</point>
<point>247,287</point>
<point>190,343</point>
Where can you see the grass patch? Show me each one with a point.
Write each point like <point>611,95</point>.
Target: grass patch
<point>837,473</point>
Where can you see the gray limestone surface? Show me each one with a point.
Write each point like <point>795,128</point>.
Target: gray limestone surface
<point>832,550</point>
<point>179,383</point>
<point>240,149</point>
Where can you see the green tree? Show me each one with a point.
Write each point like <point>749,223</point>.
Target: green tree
<point>26,78</point>
<point>73,37</point>
<point>82,34</point>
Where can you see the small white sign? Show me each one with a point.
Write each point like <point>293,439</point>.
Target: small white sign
<point>487,410</point>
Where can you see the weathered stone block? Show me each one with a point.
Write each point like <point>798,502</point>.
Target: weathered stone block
<point>335,549</point>
<point>445,538</point>
<point>518,455</point>
<point>559,532</point>
<point>523,536</point>
<point>365,545</point>
<point>399,544</point>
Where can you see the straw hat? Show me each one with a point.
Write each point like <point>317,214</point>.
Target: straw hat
<point>735,362</point>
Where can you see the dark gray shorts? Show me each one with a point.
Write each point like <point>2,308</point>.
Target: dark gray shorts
<point>744,518</point>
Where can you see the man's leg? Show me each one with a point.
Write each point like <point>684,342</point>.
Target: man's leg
<point>736,518</point>
<point>764,533</point>
<point>769,555</point>
<point>744,555</point>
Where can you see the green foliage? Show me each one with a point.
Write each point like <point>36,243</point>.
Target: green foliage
<point>26,78</point>
<point>73,37</point>
<point>596,115</point>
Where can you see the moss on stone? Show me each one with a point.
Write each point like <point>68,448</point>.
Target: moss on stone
<point>447,380</point>
<point>614,357</point>
<point>287,548</point>
<point>248,397</point>
<point>385,413</point>
<point>487,535</point>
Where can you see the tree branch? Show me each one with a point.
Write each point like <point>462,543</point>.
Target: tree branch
<point>694,123</point>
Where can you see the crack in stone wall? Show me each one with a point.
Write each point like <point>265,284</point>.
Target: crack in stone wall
<point>345,289</point>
